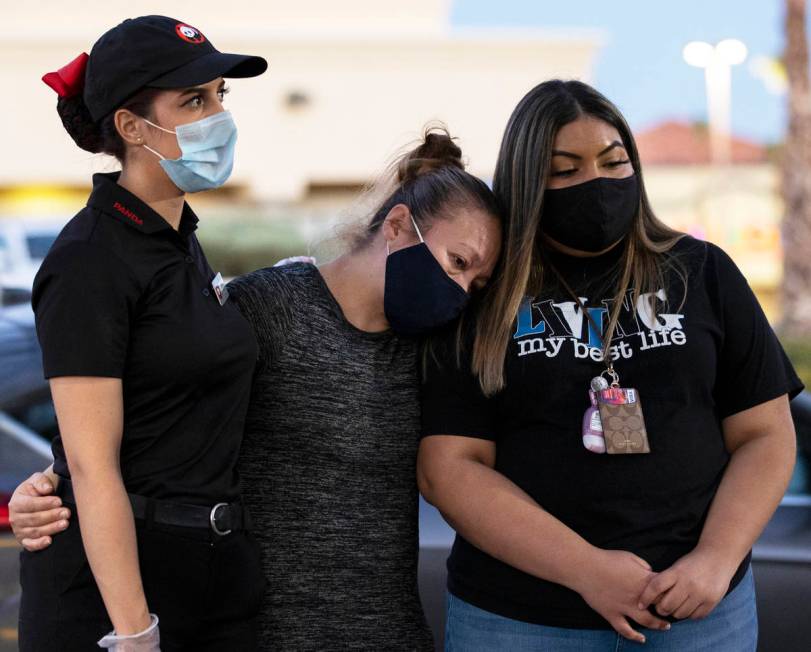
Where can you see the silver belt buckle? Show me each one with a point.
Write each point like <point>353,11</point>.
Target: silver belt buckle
<point>212,518</point>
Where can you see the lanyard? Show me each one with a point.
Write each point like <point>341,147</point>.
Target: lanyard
<point>605,341</point>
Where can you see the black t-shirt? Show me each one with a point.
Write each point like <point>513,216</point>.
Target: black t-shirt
<point>121,294</point>
<point>693,365</point>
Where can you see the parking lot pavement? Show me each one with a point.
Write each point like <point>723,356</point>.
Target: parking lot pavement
<point>9,592</point>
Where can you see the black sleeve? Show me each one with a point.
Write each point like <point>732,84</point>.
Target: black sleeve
<point>753,367</point>
<point>263,299</point>
<point>83,301</point>
<point>452,399</point>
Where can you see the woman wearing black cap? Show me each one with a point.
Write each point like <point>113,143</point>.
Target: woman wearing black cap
<point>150,367</point>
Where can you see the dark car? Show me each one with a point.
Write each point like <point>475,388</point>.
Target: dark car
<point>25,401</point>
<point>21,381</point>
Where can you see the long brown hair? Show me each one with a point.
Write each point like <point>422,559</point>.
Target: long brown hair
<point>519,183</point>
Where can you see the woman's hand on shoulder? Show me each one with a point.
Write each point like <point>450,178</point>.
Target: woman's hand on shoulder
<point>35,513</point>
<point>690,588</point>
<point>612,585</point>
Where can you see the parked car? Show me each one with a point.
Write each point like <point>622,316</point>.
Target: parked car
<point>26,411</point>
<point>23,245</point>
<point>21,382</point>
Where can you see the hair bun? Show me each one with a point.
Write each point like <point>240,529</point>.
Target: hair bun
<point>79,125</point>
<point>436,151</point>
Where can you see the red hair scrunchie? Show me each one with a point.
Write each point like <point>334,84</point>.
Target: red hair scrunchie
<point>69,79</point>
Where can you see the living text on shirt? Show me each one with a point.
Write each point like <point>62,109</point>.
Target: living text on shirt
<point>552,327</point>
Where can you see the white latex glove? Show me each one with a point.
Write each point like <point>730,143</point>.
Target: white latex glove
<point>145,641</point>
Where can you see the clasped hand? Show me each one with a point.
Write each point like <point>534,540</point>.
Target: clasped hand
<point>690,588</point>
<point>622,587</point>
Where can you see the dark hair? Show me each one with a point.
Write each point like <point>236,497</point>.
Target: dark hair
<point>430,179</point>
<point>522,170</point>
<point>101,137</point>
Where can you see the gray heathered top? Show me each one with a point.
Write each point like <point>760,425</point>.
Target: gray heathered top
<point>328,470</point>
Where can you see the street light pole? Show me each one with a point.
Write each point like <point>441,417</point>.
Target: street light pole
<point>717,79</point>
<point>717,61</point>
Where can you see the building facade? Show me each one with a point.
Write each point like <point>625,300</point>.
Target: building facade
<point>348,84</point>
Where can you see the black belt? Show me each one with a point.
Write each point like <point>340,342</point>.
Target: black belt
<point>222,518</point>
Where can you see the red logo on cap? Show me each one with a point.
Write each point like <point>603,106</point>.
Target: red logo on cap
<point>189,34</point>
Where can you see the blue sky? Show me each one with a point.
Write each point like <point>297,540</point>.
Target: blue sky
<point>640,66</point>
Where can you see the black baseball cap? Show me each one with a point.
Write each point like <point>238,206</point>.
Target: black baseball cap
<point>156,52</point>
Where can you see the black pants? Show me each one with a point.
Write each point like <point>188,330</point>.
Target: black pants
<point>206,590</point>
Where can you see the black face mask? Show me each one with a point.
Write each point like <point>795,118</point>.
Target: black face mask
<point>419,295</point>
<point>591,216</point>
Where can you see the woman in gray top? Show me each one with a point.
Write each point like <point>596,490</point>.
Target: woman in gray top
<point>329,454</point>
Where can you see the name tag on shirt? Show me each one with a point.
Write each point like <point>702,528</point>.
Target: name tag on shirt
<point>218,284</point>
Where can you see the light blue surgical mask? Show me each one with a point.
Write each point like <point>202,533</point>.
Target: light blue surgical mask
<point>206,152</point>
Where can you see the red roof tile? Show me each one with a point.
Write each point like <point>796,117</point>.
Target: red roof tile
<point>681,143</point>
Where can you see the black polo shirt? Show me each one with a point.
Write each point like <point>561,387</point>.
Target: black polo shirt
<point>123,295</point>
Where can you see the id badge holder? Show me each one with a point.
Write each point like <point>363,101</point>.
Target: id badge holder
<point>220,290</point>
<point>622,420</point>
<point>614,422</point>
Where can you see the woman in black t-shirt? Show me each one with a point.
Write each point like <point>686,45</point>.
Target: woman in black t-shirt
<point>149,371</point>
<point>617,434</point>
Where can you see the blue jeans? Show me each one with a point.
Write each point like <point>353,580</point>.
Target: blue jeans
<point>730,627</point>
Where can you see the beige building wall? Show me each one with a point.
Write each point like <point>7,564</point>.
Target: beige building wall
<point>348,84</point>
<point>737,207</point>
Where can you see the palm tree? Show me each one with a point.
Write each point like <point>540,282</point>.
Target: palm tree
<point>796,290</point>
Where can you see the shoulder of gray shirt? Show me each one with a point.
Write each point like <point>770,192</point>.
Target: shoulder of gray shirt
<point>268,297</point>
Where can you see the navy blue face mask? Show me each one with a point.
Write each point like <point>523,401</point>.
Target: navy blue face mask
<point>419,295</point>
